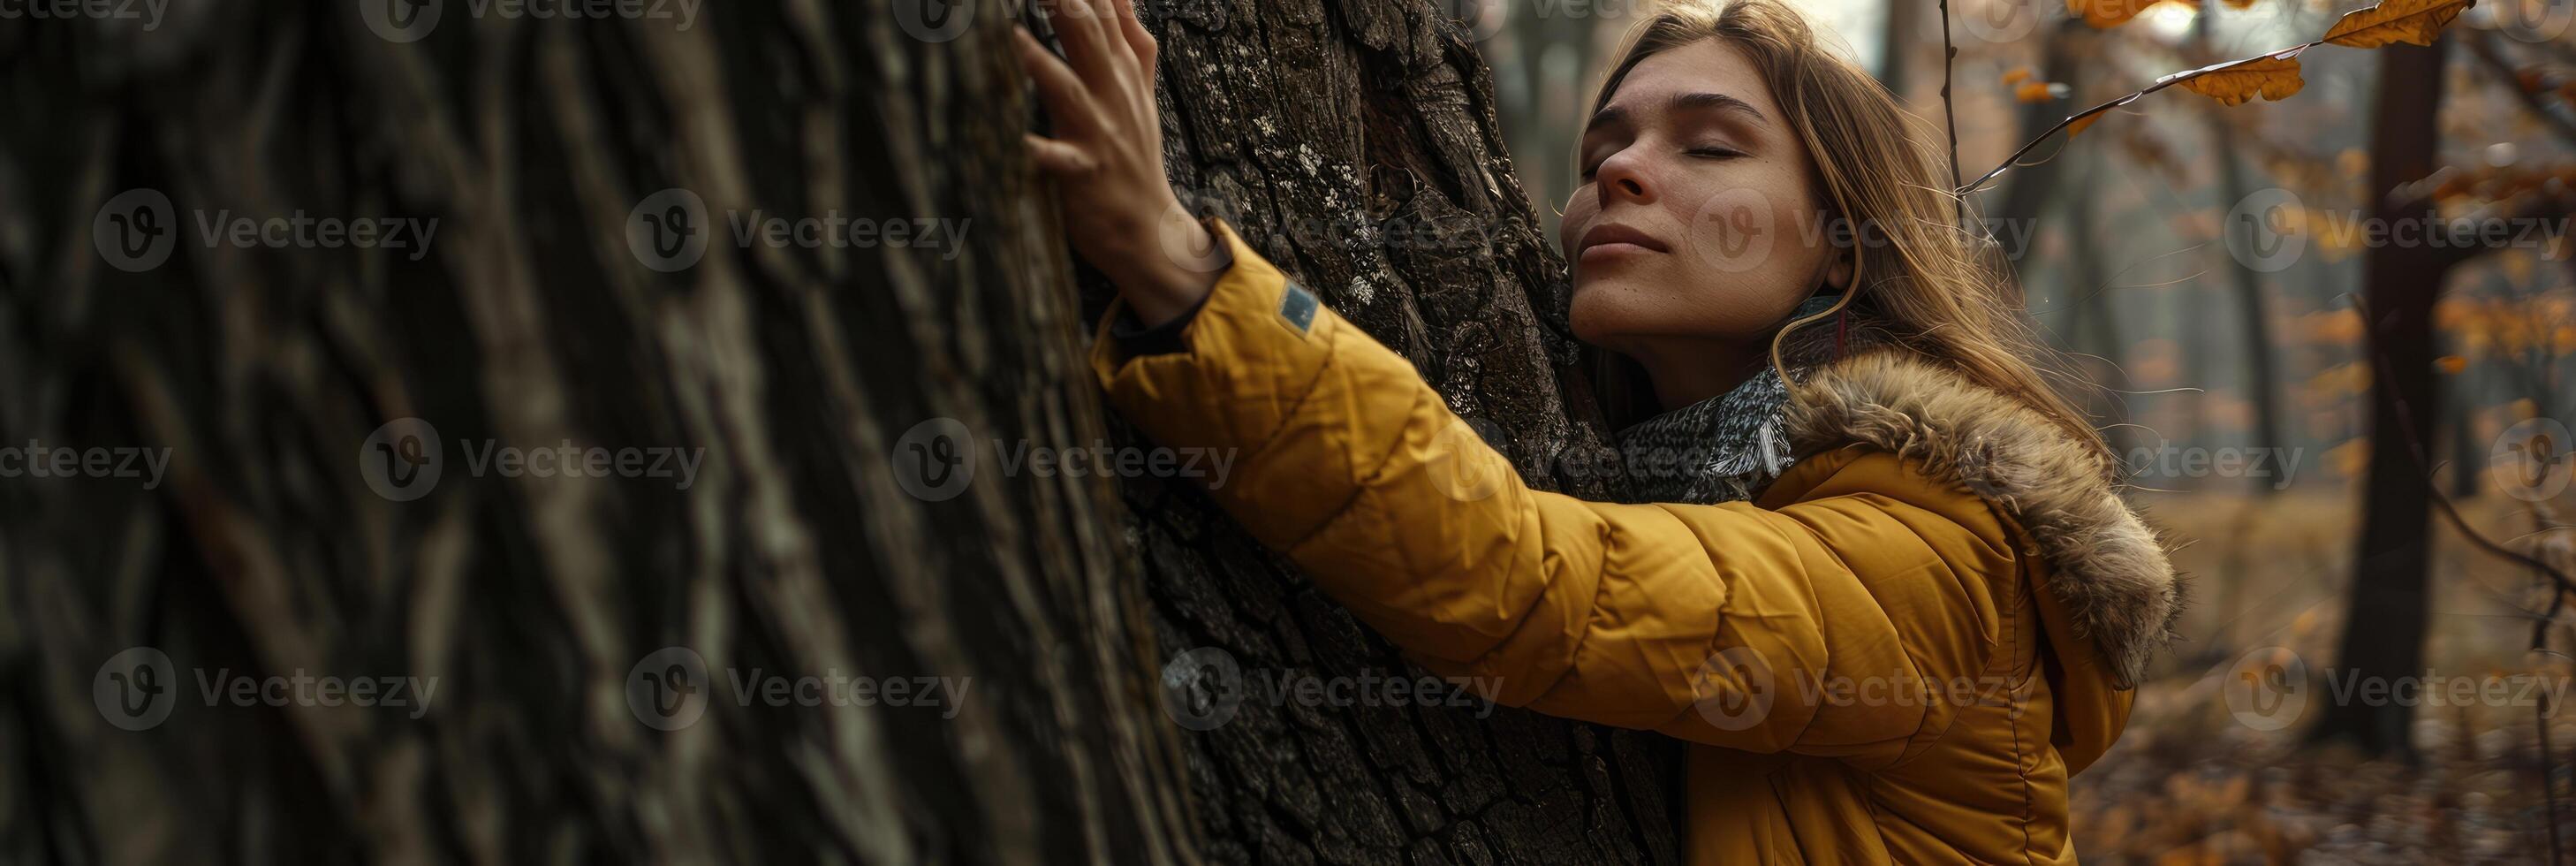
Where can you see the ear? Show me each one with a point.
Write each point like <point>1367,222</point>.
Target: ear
<point>1839,274</point>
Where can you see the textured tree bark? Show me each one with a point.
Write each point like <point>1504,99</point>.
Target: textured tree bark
<point>567,299</point>
<point>1354,143</point>
<point>538,316</point>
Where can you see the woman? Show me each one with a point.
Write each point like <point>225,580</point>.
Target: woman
<point>1888,591</point>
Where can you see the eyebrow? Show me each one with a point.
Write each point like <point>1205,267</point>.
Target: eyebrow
<point>1697,99</point>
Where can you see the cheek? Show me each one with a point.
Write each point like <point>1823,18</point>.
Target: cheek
<point>1569,225</point>
<point>1764,239</point>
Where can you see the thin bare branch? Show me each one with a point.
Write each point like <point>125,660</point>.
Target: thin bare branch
<point>1950,113</point>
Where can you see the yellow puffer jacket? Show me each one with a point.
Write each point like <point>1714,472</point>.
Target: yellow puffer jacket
<point>1897,654</point>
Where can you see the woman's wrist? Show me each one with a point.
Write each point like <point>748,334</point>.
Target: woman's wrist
<point>1170,279</point>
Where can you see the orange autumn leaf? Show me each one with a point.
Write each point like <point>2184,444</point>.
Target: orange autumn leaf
<point>2103,14</point>
<point>2077,125</point>
<point>2415,21</point>
<point>2272,77</point>
<point>2017,75</point>
<point>2451,364</point>
<point>2031,91</point>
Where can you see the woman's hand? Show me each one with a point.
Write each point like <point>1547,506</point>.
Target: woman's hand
<point>1107,160</point>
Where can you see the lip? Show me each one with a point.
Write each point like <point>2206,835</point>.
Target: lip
<point>1613,238</point>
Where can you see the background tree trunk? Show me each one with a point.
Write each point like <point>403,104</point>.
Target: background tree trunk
<point>827,385</point>
<point>1354,144</point>
<point>2386,611</point>
<point>531,321</point>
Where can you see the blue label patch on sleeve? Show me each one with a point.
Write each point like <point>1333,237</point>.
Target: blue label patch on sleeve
<point>1297,306</point>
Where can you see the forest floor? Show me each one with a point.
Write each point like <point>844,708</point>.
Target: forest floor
<point>2204,775</point>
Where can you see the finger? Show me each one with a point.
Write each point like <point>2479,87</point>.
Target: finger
<point>1077,26</point>
<point>1067,102</point>
<point>1140,42</point>
<point>1056,157</point>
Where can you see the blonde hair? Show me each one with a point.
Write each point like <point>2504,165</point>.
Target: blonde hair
<point>1939,292</point>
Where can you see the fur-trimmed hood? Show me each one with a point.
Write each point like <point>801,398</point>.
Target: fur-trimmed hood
<point>2106,568</point>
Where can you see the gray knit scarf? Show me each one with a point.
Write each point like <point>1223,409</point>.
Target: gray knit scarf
<point>1723,449</point>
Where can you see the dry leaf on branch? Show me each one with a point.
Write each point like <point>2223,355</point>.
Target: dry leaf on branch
<point>2272,77</point>
<point>2413,21</point>
<point>2104,14</point>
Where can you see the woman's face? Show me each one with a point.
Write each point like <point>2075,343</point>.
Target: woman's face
<point>1696,220</point>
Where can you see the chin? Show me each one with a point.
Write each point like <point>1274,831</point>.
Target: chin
<point>1620,317</point>
<point>1597,317</point>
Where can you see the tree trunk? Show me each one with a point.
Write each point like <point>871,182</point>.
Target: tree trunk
<point>549,724</point>
<point>330,414</point>
<point>1354,144</point>
<point>2244,284</point>
<point>2385,613</point>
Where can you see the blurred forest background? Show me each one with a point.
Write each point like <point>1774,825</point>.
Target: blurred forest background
<point>2215,347</point>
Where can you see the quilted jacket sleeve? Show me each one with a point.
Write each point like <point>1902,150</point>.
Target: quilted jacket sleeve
<point>1734,625</point>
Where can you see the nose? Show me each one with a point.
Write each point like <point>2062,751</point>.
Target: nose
<point>1622,178</point>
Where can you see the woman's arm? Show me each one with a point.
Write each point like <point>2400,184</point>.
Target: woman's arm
<point>1721,624</point>
<point>1715,623</point>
